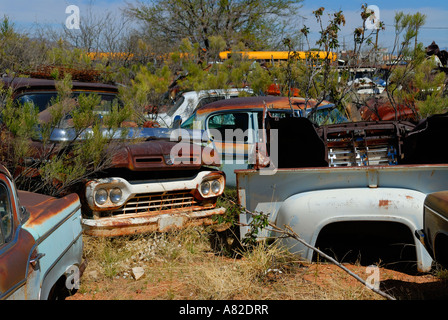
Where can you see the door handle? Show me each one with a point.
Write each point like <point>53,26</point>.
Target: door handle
<point>35,260</point>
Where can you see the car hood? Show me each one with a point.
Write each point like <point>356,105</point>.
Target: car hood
<point>163,155</point>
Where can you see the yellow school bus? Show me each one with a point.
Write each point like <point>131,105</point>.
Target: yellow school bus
<point>280,55</point>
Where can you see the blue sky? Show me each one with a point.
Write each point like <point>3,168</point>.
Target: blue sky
<point>52,12</point>
<point>435,28</point>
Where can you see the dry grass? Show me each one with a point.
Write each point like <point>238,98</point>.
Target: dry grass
<point>181,265</point>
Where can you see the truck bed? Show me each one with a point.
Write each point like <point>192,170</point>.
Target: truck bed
<point>308,199</point>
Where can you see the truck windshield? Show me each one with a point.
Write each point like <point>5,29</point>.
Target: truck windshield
<point>43,100</point>
<point>327,116</point>
<point>176,106</point>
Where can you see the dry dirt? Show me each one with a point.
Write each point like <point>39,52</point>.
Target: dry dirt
<point>308,281</point>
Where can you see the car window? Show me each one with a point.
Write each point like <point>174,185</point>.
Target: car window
<point>275,114</point>
<point>218,124</point>
<point>43,100</point>
<point>327,116</point>
<point>188,124</point>
<point>176,106</point>
<point>207,100</point>
<point>6,219</point>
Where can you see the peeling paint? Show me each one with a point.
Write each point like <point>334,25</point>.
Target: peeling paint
<point>384,203</point>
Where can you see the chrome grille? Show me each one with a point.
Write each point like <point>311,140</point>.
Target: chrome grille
<point>150,202</point>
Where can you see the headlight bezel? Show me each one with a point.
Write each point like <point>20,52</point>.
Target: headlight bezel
<point>209,181</point>
<point>114,195</point>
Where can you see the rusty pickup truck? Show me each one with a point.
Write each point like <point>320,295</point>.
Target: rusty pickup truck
<point>40,243</point>
<point>145,188</point>
<point>352,188</point>
<point>148,189</point>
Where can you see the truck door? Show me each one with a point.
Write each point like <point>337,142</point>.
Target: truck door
<point>19,273</point>
<point>233,138</point>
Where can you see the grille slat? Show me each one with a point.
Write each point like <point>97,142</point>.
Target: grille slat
<point>143,203</point>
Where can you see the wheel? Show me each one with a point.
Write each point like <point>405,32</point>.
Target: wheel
<point>60,291</point>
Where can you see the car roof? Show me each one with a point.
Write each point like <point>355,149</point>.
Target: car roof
<point>272,103</point>
<point>20,84</point>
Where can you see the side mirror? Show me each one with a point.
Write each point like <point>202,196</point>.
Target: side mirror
<point>177,122</point>
<point>24,214</point>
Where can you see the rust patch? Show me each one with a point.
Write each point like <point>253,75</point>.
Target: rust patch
<point>14,261</point>
<point>384,203</point>
<point>43,207</point>
<point>113,227</point>
<point>273,102</point>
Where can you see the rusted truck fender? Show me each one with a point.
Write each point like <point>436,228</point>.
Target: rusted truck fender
<point>307,214</point>
<point>56,226</point>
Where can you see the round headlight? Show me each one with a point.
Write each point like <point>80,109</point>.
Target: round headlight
<point>205,188</point>
<point>216,186</point>
<point>101,196</point>
<point>115,195</point>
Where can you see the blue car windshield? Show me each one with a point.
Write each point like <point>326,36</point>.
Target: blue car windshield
<point>43,100</point>
<point>324,116</point>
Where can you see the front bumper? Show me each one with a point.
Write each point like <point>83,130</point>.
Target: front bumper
<point>149,222</point>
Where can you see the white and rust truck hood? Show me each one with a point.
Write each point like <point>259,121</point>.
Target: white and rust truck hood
<point>47,213</point>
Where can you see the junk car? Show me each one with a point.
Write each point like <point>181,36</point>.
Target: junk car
<point>234,126</point>
<point>40,243</point>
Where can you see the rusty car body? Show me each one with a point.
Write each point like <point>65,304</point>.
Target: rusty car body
<point>234,125</point>
<point>376,109</point>
<point>146,188</point>
<point>434,234</point>
<point>40,243</point>
<point>358,183</point>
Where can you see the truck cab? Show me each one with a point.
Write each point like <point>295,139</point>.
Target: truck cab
<point>235,126</point>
